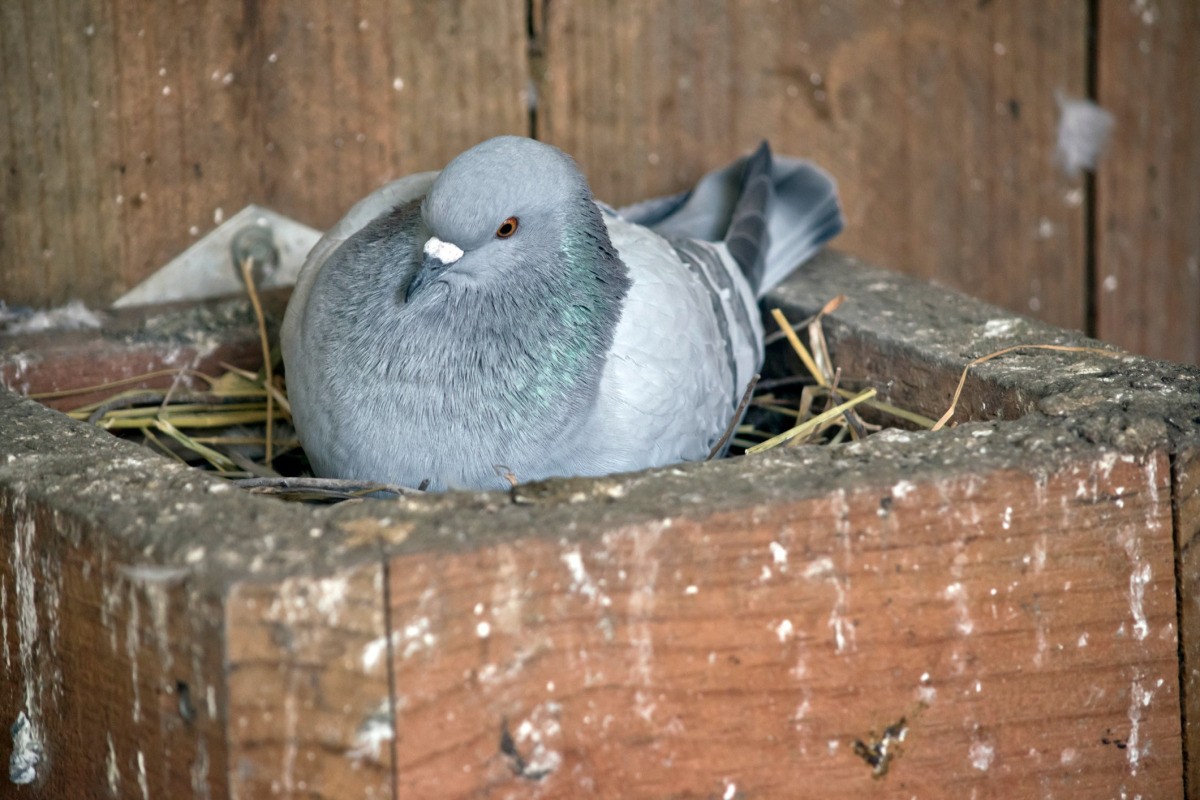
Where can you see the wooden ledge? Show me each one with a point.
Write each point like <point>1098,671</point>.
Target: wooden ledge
<point>988,609</point>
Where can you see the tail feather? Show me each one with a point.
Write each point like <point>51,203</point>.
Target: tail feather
<point>702,212</point>
<point>805,216</point>
<point>802,212</point>
<point>747,237</point>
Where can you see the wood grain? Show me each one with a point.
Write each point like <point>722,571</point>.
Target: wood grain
<point>938,122</point>
<point>134,128</point>
<point>117,666</point>
<point>354,98</point>
<point>187,134</point>
<point>1186,490</point>
<point>167,339</point>
<point>309,706</point>
<point>1020,629</point>
<point>59,234</point>
<point>1148,203</point>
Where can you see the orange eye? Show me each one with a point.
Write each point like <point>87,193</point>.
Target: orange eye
<point>507,228</point>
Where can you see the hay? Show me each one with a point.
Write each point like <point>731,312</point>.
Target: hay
<point>205,427</point>
<point>268,371</point>
<point>168,419</point>
<point>811,425</point>
<point>839,420</point>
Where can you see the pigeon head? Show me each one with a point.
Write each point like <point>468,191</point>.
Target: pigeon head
<point>499,212</point>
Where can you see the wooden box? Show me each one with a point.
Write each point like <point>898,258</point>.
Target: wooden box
<point>1005,609</point>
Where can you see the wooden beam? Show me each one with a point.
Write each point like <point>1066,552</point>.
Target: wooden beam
<point>111,660</point>
<point>307,675</point>
<point>1014,631</point>
<point>167,342</point>
<point>1186,493</point>
<point>743,626</point>
<point>1147,237</point>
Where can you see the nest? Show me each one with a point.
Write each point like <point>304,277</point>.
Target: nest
<point>239,425</point>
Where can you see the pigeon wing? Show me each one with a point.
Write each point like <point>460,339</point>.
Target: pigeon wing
<point>687,345</point>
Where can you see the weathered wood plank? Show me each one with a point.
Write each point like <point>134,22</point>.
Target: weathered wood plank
<point>1148,237</point>
<point>1186,491</point>
<point>309,704</point>
<point>1019,628</point>
<point>45,136</point>
<point>109,137</point>
<point>352,99</point>
<point>893,333</point>
<point>132,128</point>
<point>131,342</point>
<point>188,132</point>
<point>939,123</point>
<point>141,605</point>
<point>116,665</point>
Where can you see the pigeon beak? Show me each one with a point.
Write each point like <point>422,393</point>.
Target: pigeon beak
<point>445,252</point>
<point>436,256</point>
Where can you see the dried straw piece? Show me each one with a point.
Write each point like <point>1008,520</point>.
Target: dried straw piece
<point>223,419</point>
<point>248,277</point>
<point>941,423</point>
<point>251,467</point>
<point>254,380</point>
<point>218,460</point>
<point>799,347</point>
<point>150,437</point>
<point>789,332</point>
<point>808,426</point>
<point>98,387</point>
<point>816,339</point>
<point>913,417</point>
<point>320,488</point>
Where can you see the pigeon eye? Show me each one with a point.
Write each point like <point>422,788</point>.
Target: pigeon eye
<point>507,228</point>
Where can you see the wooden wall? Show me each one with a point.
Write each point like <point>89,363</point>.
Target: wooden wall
<point>132,127</point>
<point>1148,188</point>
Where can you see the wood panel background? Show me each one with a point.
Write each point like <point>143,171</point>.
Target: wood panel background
<point>133,127</point>
<point>1148,188</point>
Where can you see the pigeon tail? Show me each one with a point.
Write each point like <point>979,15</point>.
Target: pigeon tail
<point>747,237</point>
<point>805,214</point>
<point>802,215</point>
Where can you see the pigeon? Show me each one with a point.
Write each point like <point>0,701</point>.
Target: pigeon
<point>493,324</point>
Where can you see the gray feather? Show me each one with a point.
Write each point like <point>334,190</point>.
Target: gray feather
<point>803,216</point>
<point>747,237</point>
<point>569,342</point>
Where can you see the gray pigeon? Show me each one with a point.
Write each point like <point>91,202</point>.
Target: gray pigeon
<point>492,322</point>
